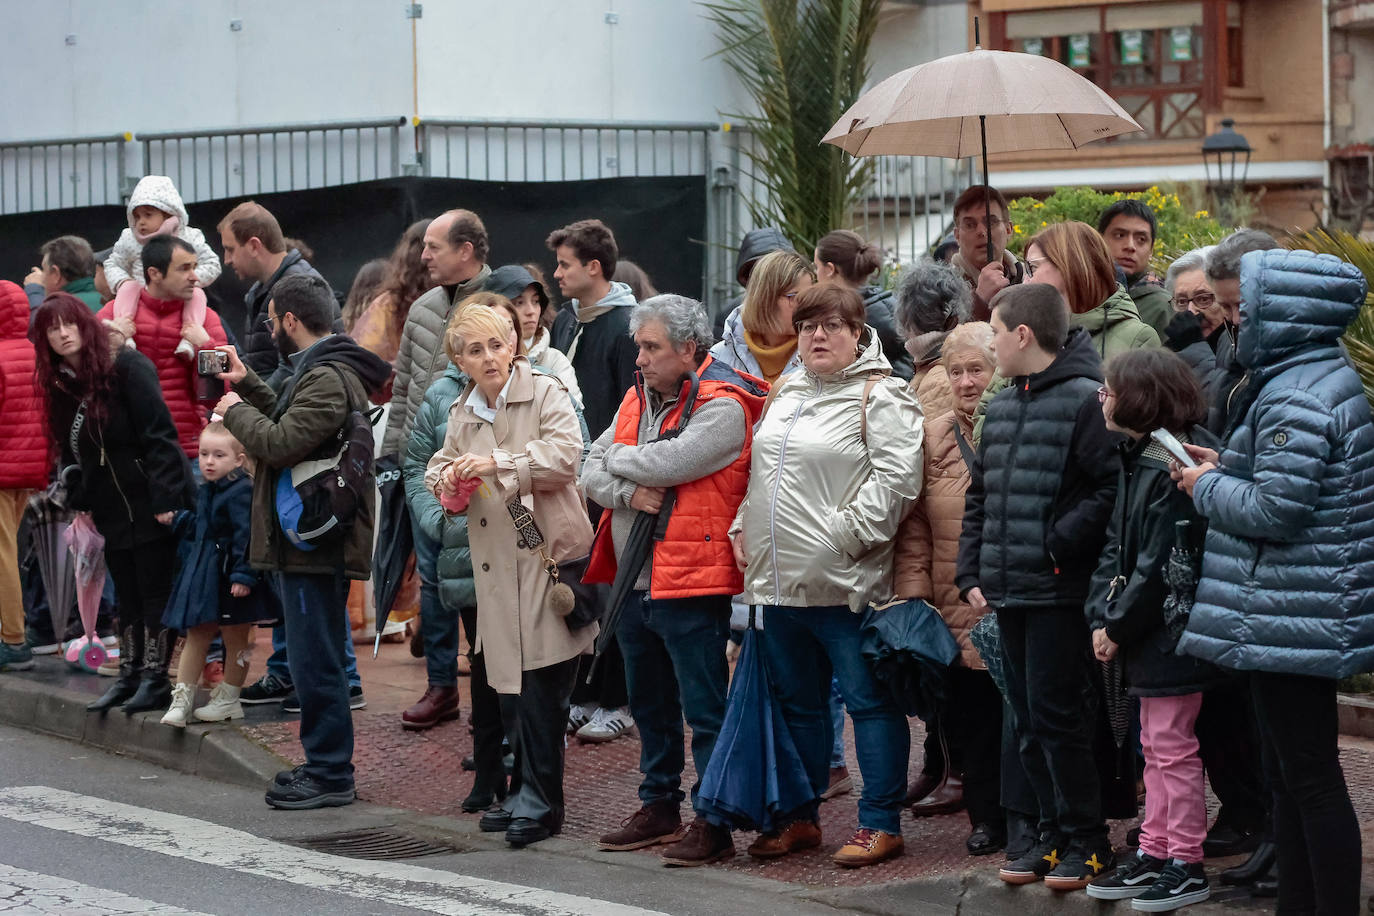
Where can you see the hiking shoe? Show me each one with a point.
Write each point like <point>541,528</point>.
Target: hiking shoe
<point>305,792</point>
<point>267,689</point>
<point>702,844</point>
<point>15,657</point>
<point>651,825</point>
<point>1034,864</point>
<point>578,716</point>
<point>180,710</point>
<point>292,703</point>
<point>795,837</point>
<point>1080,866</point>
<point>841,783</point>
<point>1131,878</point>
<point>869,847</point>
<point>1180,884</point>
<point>606,725</point>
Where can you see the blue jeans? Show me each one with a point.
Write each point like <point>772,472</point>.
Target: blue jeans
<point>836,724</point>
<point>277,661</point>
<point>438,625</point>
<point>803,646</point>
<point>674,668</point>
<point>315,608</point>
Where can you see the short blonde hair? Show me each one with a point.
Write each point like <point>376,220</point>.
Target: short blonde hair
<point>475,320</point>
<point>774,274</point>
<point>974,335</point>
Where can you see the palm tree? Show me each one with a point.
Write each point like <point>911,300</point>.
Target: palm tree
<point>803,63</point>
<point>1359,337</point>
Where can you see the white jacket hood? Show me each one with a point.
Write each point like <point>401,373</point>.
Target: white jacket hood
<point>157,191</point>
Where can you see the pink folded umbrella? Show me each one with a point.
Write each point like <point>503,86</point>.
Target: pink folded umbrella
<point>87,547</point>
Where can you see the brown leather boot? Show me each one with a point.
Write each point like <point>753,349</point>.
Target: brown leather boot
<point>947,798</point>
<point>795,837</point>
<point>920,787</point>
<point>439,704</point>
<point>703,844</point>
<point>660,822</point>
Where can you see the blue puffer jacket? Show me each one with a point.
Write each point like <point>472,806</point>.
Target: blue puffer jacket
<point>1288,572</point>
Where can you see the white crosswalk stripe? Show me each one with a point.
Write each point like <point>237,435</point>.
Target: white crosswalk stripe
<point>211,844</point>
<point>29,892</point>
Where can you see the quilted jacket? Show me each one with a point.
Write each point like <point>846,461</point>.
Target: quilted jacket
<point>1288,572</point>
<point>23,428</point>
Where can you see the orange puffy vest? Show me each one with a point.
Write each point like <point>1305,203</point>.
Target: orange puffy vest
<point>694,558</point>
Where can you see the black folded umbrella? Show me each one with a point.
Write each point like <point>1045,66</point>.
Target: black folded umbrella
<point>395,542</point>
<point>909,649</point>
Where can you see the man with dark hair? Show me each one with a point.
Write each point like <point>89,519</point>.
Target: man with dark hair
<point>973,227</point>
<point>257,251</point>
<point>67,265</point>
<point>1129,228</point>
<point>1035,519</point>
<point>330,374</point>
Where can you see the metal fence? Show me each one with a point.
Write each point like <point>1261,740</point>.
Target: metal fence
<point>61,173</point>
<point>239,161</point>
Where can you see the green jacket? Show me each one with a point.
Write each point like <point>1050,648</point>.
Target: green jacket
<point>82,288</point>
<point>1152,301</point>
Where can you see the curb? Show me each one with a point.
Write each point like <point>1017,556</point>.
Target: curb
<point>213,750</point>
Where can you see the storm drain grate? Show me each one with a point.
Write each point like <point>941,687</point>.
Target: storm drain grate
<point>375,843</point>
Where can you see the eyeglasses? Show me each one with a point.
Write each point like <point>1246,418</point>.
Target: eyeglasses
<point>1033,266</point>
<point>1103,393</point>
<point>271,322</point>
<point>791,295</point>
<point>831,326</point>
<point>970,224</point>
<point>1201,300</point>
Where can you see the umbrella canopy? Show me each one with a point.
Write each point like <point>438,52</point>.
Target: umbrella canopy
<point>756,776</point>
<point>55,562</point>
<point>395,541</point>
<point>939,108</point>
<point>910,650</point>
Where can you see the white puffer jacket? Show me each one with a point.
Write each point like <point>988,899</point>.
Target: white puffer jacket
<point>126,259</point>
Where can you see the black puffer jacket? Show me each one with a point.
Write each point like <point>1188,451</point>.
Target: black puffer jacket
<point>604,359</point>
<point>259,352</point>
<point>1141,537</point>
<point>880,306</point>
<point>1041,488</point>
<point>132,466</point>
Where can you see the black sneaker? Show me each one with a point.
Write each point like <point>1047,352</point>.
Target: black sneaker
<point>1131,878</point>
<point>1037,862</point>
<point>305,791</point>
<point>1179,884</point>
<point>356,700</point>
<point>1083,864</point>
<point>267,689</point>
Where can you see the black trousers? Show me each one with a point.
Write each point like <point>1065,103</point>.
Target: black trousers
<point>487,730</point>
<point>1045,652</point>
<point>973,722</point>
<point>1228,742</point>
<point>1315,827</point>
<point>536,721</point>
<point>143,581</point>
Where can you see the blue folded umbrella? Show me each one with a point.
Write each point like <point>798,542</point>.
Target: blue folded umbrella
<point>909,649</point>
<point>755,777</point>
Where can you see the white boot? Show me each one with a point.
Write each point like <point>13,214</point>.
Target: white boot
<point>224,704</point>
<point>184,350</point>
<point>182,697</point>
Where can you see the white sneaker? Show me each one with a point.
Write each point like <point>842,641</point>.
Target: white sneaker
<point>606,725</point>
<point>224,705</point>
<point>182,697</point>
<point>578,716</point>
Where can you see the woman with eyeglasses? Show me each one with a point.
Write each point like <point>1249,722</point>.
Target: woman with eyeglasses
<point>836,465</point>
<point>1199,331</point>
<point>759,337</point>
<point>843,257</point>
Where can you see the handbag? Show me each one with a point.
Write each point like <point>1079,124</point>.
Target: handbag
<point>568,597</point>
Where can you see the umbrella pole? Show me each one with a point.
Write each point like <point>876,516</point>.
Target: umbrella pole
<point>987,186</point>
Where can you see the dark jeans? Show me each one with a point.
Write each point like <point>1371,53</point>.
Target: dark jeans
<point>278,662</point>
<point>536,720</point>
<point>1315,827</point>
<point>674,668</point>
<point>1228,743</point>
<point>802,646</point>
<point>143,582</point>
<point>973,723</point>
<point>438,625</point>
<point>1045,652</point>
<point>315,610</point>
<point>487,730</point>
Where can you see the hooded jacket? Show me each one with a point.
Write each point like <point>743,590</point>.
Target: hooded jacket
<point>755,244</point>
<point>601,351</point>
<point>1288,573</point>
<point>23,426</point>
<point>1042,486</point>
<point>543,356</point>
<point>880,310</point>
<point>126,258</point>
<point>1151,300</point>
<point>260,352</point>
<point>281,430</point>
<point>825,498</point>
<point>157,323</point>
<point>733,350</point>
<point>422,358</point>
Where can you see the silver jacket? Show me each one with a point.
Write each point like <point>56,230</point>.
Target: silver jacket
<point>823,507</point>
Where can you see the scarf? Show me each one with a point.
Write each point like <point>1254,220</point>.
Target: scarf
<point>772,360</point>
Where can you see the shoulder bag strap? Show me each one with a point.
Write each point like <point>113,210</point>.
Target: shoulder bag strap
<point>964,448</point>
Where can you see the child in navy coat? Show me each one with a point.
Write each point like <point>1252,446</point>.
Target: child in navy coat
<point>216,591</point>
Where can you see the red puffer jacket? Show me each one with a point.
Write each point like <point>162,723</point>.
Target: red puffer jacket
<point>23,430</point>
<point>158,331</point>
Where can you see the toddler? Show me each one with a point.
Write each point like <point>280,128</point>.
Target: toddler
<point>155,208</point>
<point>215,589</point>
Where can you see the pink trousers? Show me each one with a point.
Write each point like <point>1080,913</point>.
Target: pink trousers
<point>1175,796</point>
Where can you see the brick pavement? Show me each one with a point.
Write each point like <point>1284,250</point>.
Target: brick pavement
<point>421,772</point>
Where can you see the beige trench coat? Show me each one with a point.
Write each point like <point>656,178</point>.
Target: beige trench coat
<point>537,443</point>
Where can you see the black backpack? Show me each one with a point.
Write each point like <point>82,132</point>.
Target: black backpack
<point>318,499</point>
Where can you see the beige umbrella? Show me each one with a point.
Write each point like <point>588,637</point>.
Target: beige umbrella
<point>967,104</point>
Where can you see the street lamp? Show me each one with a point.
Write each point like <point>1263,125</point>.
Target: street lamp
<point>1226,162</point>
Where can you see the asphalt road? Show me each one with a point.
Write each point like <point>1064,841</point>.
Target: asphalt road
<point>85,832</point>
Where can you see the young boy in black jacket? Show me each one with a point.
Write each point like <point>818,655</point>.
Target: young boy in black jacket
<point>1035,519</point>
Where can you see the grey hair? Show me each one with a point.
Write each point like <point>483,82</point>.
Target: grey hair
<point>1185,263</point>
<point>683,319</point>
<point>1224,261</point>
<point>928,295</point>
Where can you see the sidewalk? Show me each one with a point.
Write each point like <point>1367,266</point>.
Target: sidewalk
<point>421,772</point>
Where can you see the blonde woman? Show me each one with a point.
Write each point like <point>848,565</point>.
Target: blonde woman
<point>759,336</point>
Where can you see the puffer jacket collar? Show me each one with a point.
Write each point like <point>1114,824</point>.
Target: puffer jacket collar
<point>1077,359</point>
<point>1295,305</point>
<point>734,350</point>
<point>1118,308</point>
<point>14,312</point>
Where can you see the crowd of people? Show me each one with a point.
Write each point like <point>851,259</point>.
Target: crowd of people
<point>1138,505</point>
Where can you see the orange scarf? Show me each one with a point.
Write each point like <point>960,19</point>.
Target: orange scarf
<point>772,360</point>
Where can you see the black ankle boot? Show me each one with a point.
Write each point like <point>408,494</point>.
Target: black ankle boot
<point>130,664</point>
<point>1253,868</point>
<point>121,690</point>
<point>154,690</point>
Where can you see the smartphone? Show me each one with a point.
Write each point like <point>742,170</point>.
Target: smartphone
<point>210,363</point>
<point>1173,447</point>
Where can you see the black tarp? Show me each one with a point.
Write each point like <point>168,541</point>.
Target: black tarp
<point>656,221</point>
